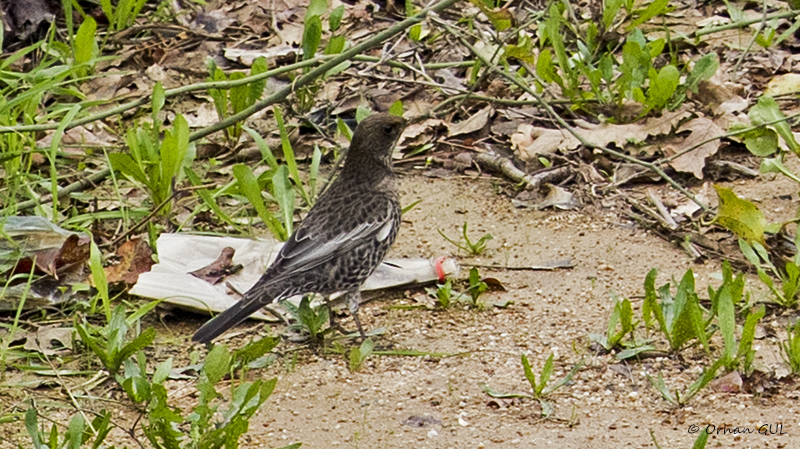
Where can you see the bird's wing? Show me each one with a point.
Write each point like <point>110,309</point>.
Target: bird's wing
<point>314,245</point>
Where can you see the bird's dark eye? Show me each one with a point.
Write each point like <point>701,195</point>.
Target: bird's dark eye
<point>387,129</point>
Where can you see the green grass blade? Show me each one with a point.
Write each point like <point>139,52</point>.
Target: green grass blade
<point>288,154</point>
<point>249,185</point>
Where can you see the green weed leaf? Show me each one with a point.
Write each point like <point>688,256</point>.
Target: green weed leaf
<point>766,111</point>
<point>312,36</point>
<point>741,217</point>
<point>217,363</point>
<point>335,19</point>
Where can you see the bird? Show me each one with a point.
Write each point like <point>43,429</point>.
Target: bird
<point>342,239</point>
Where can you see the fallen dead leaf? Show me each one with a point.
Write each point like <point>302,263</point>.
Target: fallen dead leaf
<point>700,129</point>
<point>534,141</point>
<point>49,340</point>
<point>474,123</point>
<point>217,270</point>
<point>136,258</point>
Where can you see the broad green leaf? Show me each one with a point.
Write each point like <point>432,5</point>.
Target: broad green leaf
<point>288,154</point>
<point>99,278</point>
<point>316,8</point>
<point>158,99</point>
<point>257,87</point>
<point>749,253</point>
<point>173,156</point>
<point>740,216</point>
<point>544,376</point>
<point>140,342</point>
<point>396,108</point>
<point>240,94</point>
<point>249,186</point>
<point>761,142</point>
<point>610,10</point>
<point>704,69</point>
<point>662,87</point>
<point>217,363</point>
<point>650,307</point>
<point>32,426</point>
<point>726,316</point>
<point>749,329</point>
<point>774,165</point>
<point>500,18</point>
<point>335,19</point>
<point>362,112</point>
<point>522,51</point>
<point>632,352</point>
<point>526,367</point>
<point>335,46</point>
<point>767,111</point>
<point>74,433</point>
<point>655,8</point>
<point>545,68</point>
<point>312,36</point>
<point>124,163</point>
<point>85,45</point>
<point>162,371</point>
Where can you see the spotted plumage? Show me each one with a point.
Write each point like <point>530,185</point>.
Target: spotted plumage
<point>342,239</point>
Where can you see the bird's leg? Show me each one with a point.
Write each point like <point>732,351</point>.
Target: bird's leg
<point>332,321</point>
<point>353,299</point>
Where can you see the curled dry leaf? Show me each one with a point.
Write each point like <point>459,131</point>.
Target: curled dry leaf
<point>217,270</point>
<point>559,198</point>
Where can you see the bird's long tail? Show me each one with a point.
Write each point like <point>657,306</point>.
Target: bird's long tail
<point>229,318</point>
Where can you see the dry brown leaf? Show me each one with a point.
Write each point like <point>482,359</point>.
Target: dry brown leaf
<point>217,270</point>
<point>246,57</point>
<point>419,133</point>
<point>783,84</point>
<point>476,122</point>
<point>700,129</point>
<point>136,258</point>
<point>49,340</point>
<point>212,22</point>
<point>530,142</point>
<point>533,142</point>
<point>559,198</point>
<point>203,116</point>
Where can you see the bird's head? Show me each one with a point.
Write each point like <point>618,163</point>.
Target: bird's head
<point>374,140</point>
